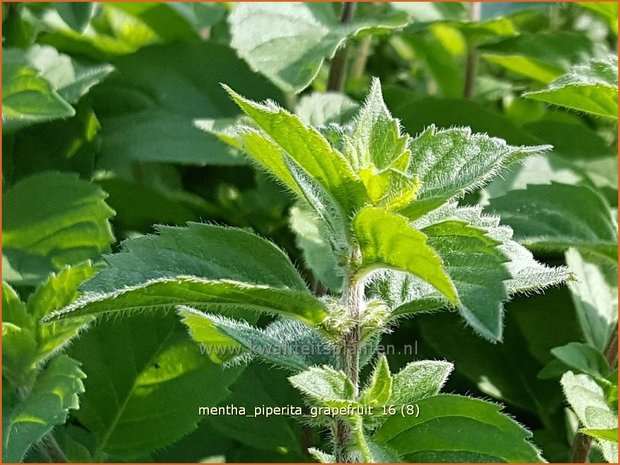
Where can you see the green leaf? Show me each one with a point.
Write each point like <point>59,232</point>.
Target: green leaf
<point>610,434</point>
<point>200,250</point>
<point>405,294</point>
<point>388,241</point>
<point>324,108</point>
<point>209,295</point>
<point>557,216</point>
<point>52,220</point>
<point>262,35</point>
<point>133,408</point>
<point>285,343</point>
<point>18,339</point>
<point>453,428</point>
<point>542,56</point>
<point>308,149</point>
<point>260,387</point>
<point>28,98</point>
<point>326,386</point>
<point>55,392</point>
<point>57,291</point>
<point>587,399</point>
<point>418,380</point>
<point>595,295</point>
<point>77,15</point>
<point>376,139</point>
<point>476,265</point>
<point>582,358</point>
<point>156,124</point>
<point>591,88</point>
<point>318,253</point>
<point>451,162</point>
<point>379,389</point>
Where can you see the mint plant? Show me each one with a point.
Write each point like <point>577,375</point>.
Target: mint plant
<point>386,207</point>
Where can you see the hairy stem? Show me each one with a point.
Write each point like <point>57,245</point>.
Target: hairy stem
<point>582,443</point>
<point>471,66</point>
<point>353,299</point>
<point>335,80</point>
<point>52,450</point>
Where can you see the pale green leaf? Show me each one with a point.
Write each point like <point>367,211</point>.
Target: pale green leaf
<point>376,138</point>
<point>451,162</point>
<point>591,88</point>
<point>52,220</point>
<point>558,216</point>
<point>138,370</point>
<point>595,294</point>
<point>201,250</point>
<point>609,434</point>
<point>388,241</point>
<point>379,389</point>
<point>587,400</point>
<point>324,108</point>
<point>418,380</point>
<point>76,14</point>
<point>453,428</point>
<point>308,149</point>
<point>325,386</point>
<point>55,393</point>
<point>209,295</point>
<point>285,343</point>
<point>263,33</point>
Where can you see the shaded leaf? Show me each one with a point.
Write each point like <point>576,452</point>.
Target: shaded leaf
<point>77,15</point>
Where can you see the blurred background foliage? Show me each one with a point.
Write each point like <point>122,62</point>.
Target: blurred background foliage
<point>102,109</point>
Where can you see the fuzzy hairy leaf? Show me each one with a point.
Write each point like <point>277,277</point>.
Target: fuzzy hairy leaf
<point>209,295</point>
<point>587,399</point>
<point>201,250</point>
<point>51,220</point>
<point>325,386</point>
<point>262,34</point>
<point>285,343</point>
<point>308,149</point>
<point>476,265</point>
<point>133,408</point>
<point>557,216</point>
<point>591,87</point>
<point>418,380</point>
<point>323,108</point>
<point>595,295</point>
<point>376,137</point>
<point>453,428</point>
<point>388,241</point>
<point>379,389</point>
<point>55,393</point>
<point>451,162</point>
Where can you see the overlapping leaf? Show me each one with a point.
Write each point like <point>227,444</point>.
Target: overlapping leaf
<point>262,34</point>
